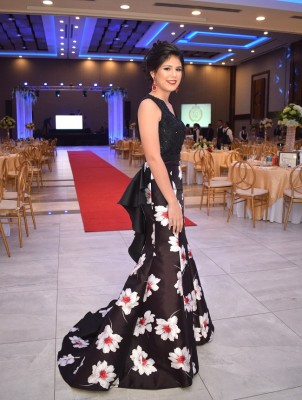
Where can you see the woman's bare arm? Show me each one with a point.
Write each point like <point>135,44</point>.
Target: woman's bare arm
<point>149,116</point>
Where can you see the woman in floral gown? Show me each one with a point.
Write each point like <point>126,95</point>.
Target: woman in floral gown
<point>147,338</point>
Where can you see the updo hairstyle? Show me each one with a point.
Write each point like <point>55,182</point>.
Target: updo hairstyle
<point>158,54</point>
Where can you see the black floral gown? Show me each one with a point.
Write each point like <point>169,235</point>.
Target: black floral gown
<point>146,339</point>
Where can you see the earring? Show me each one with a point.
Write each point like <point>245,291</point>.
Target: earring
<point>153,86</point>
<point>177,90</point>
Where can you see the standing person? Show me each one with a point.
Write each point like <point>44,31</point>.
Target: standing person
<point>197,132</point>
<point>219,133</point>
<point>210,133</point>
<point>227,138</point>
<point>147,338</point>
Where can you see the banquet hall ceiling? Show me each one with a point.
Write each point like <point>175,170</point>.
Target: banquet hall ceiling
<point>99,29</point>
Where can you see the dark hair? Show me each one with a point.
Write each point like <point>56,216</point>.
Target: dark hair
<point>158,54</point>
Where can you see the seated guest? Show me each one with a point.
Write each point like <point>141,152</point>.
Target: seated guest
<point>243,135</point>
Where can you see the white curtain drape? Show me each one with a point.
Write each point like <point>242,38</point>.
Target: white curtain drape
<point>115,115</point>
<point>24,115</point>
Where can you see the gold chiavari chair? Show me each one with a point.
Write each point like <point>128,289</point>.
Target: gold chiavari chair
<point>243,178</point>
<point>293,194</point>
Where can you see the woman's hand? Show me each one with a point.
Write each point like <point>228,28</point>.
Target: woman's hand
<point>175,216</point>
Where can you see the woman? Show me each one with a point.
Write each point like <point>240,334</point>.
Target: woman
<point>147,338</point>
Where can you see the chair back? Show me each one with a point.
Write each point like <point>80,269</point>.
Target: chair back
<point>295,180</point>
<point>21,184</point>
<point>243,176</point>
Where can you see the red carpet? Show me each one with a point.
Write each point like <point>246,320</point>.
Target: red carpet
<point>99,187</point>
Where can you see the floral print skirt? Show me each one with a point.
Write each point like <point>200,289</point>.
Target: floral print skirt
<point>147,338</point>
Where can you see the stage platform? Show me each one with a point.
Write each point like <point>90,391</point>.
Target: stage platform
<point>75,138</point>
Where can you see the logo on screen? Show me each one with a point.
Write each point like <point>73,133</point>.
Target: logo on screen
<point>195,114</point>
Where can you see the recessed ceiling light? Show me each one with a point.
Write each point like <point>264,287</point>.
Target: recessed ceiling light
<point>47,2</point>
<point>110,84</point>
<point>210,63</point>
<point>74,41</point>
<point>61,21</point>
<point>95,84</point>
<point>116,38</point>
<point>260,18</point>
<point>223,63</point>
<point>45,83</point>
<point>232,59</point>
<point>25,83</point>
<point>76,27</point>
<point>196,12</point>
<point>20,56</point>
<point>181,26</point>
<point>252,51</point>
<point>61,84</point>
<point>80,84</point>
<point>77,17</point>
<point>265,33</point>
<point>61,37</point>
<point>131,59</point>
<point>110,59</point>
<point>73,52</point>
<point>89,58</point>
<point>19,34</point>
<point>125,7</point>
<point>191,62</point>
<point>229,49</point>
<point>62,49</point>
<point>74,47</point>
<point>62,43</point>
<point>62,54</point>
<point>211,28</point>
<point>172,33</point>
<point>61,30</point>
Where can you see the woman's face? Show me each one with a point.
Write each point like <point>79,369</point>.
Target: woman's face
<point>168,76</point>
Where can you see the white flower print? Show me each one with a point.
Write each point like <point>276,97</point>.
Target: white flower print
<point>197,290</point>
<point>174,242</point>
<point>108,341</point>
<point>161,215</point>
<point>197,333</point>
<point>204,323</point>
<point>183,258</point>
<point>103,374</point>
<point>167,329</point>
<point>151,285</point>
<point>148,194</point>
<point>74,329</point>
<point>180,359</point>
<point>78,342</point>
<point>190,304</point>
<point>144,323</point>
<point>194,368</point>
<point>153,235</point>
<point>190,254</point>
<point>65,360</point>
<point>146,166</point>
<point>139,264</point>
<point>179,172</point>
<point>141,363</point>
<point>174,188</point>
<point>178,284</point>
<point>128,300</point>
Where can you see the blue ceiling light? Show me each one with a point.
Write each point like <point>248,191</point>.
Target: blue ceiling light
<point>247,41</point>
<point>208,60</point>
<point>119,57</point>
<point>151,34</point>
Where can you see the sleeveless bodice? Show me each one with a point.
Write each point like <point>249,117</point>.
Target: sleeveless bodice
<point>171,132</point>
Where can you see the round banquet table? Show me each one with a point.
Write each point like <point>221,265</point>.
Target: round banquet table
<point>187,157</point>
<point>275,180</point>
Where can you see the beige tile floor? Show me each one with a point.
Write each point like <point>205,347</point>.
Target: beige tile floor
<point>252,280</point>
